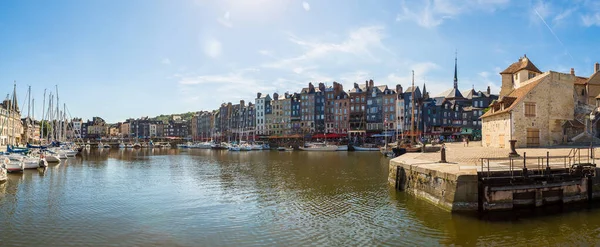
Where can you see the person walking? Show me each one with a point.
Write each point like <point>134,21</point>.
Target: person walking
<point>467,140</point>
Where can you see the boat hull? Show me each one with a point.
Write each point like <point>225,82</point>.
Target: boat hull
<point>359,148</point>
<point>52,158</point>
<point>320,149</point>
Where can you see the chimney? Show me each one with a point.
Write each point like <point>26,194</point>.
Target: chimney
<point>488,90</point>
<point>322,86</point>
<point>311,88</point>
<point>596,67</point>
<point>398,88</point>
<point>258,95</point>
<point>242,103</point>
<point>572,71</point>
<point>275,96</point>
<point>371,83</point>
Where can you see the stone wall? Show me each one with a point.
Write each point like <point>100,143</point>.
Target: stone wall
<point>496,131</point>
<point>444,185</point>
<point>554,105</point>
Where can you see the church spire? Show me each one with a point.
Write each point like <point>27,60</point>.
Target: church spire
<point>455,70</point>
<point>14,104</point>
<point>424,91</point>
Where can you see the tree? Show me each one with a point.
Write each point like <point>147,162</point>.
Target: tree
<point>45,127</point>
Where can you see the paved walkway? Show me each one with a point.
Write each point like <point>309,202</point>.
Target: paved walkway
<point>470,157</point>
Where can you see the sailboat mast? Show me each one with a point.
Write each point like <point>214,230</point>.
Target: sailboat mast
<point>57,115</point>
<point>28,100</point>
<point>12,113</point>
<point>412,108</point>
<point>32,117</point>
<point>43,117</point>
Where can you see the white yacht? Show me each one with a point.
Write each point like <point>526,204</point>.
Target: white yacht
<point>121,145</point>
<point>319,146</point>
<point>13,163</point>
<point>51,156</point>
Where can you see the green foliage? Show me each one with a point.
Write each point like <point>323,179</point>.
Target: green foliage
<point>486,110</point>
<point>165,118</point>
<point>45,126</point>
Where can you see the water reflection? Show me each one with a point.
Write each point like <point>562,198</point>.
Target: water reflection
<point>169,197</point>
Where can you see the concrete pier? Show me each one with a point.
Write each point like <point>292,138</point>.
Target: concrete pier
<point>501,184</point>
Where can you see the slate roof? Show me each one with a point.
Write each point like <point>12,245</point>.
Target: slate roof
<point>468,94</point>
<point>451,93</point>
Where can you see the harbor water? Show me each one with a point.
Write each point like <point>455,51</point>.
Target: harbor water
<point>171,197</point>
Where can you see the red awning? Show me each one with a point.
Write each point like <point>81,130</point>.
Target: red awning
<point>329,135</point>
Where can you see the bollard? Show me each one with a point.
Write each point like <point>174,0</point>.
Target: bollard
<point>443,154</point>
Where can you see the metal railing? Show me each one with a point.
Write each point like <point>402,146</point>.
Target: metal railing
<point>534,165</point>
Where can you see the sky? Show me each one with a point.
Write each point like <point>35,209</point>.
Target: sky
<point>122,59</point>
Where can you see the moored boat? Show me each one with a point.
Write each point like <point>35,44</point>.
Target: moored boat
<point>342,148</point>
<point>317,146</point>
<point>365,147</point>
<point>285,149</point>
<point>13,163</point>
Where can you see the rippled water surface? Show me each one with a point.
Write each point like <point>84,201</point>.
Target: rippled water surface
<point>259,198</point>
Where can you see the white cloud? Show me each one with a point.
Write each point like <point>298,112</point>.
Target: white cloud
<point>166,61</point>
<point>591,20</point>
<point>212,48</point>
<point>562,16</point>
<point>306,6</point>
<point>432,13</point>
<point>225,20</point>
<point>233,86</point>
<point>359,43</point>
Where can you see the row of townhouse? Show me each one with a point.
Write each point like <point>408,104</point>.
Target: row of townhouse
<point>365,108</point>
<point>143,127</point>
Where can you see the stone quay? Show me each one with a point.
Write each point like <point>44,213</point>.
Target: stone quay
<point>477,178</point>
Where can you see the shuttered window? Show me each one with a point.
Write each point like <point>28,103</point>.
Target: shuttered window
<point>533,137</point>
<point>529,109</point>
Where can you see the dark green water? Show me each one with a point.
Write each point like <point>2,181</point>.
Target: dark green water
<point>259,198</point>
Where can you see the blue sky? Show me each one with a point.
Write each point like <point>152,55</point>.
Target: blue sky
<point>121,59</point>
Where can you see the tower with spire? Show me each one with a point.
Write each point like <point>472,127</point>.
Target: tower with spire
<point>454,93</point>
<point>455,70</point>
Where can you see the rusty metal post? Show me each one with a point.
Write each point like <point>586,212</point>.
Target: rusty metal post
<point>525,164</point>
<point>548,163</point>
<point>443,154</point>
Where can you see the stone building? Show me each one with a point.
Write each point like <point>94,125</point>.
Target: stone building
<point>11,127</point>
<point>532,109</point>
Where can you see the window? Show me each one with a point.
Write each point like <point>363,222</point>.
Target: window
<point>516,76</point>
<point>529,109</point>
<point>533,137</point>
